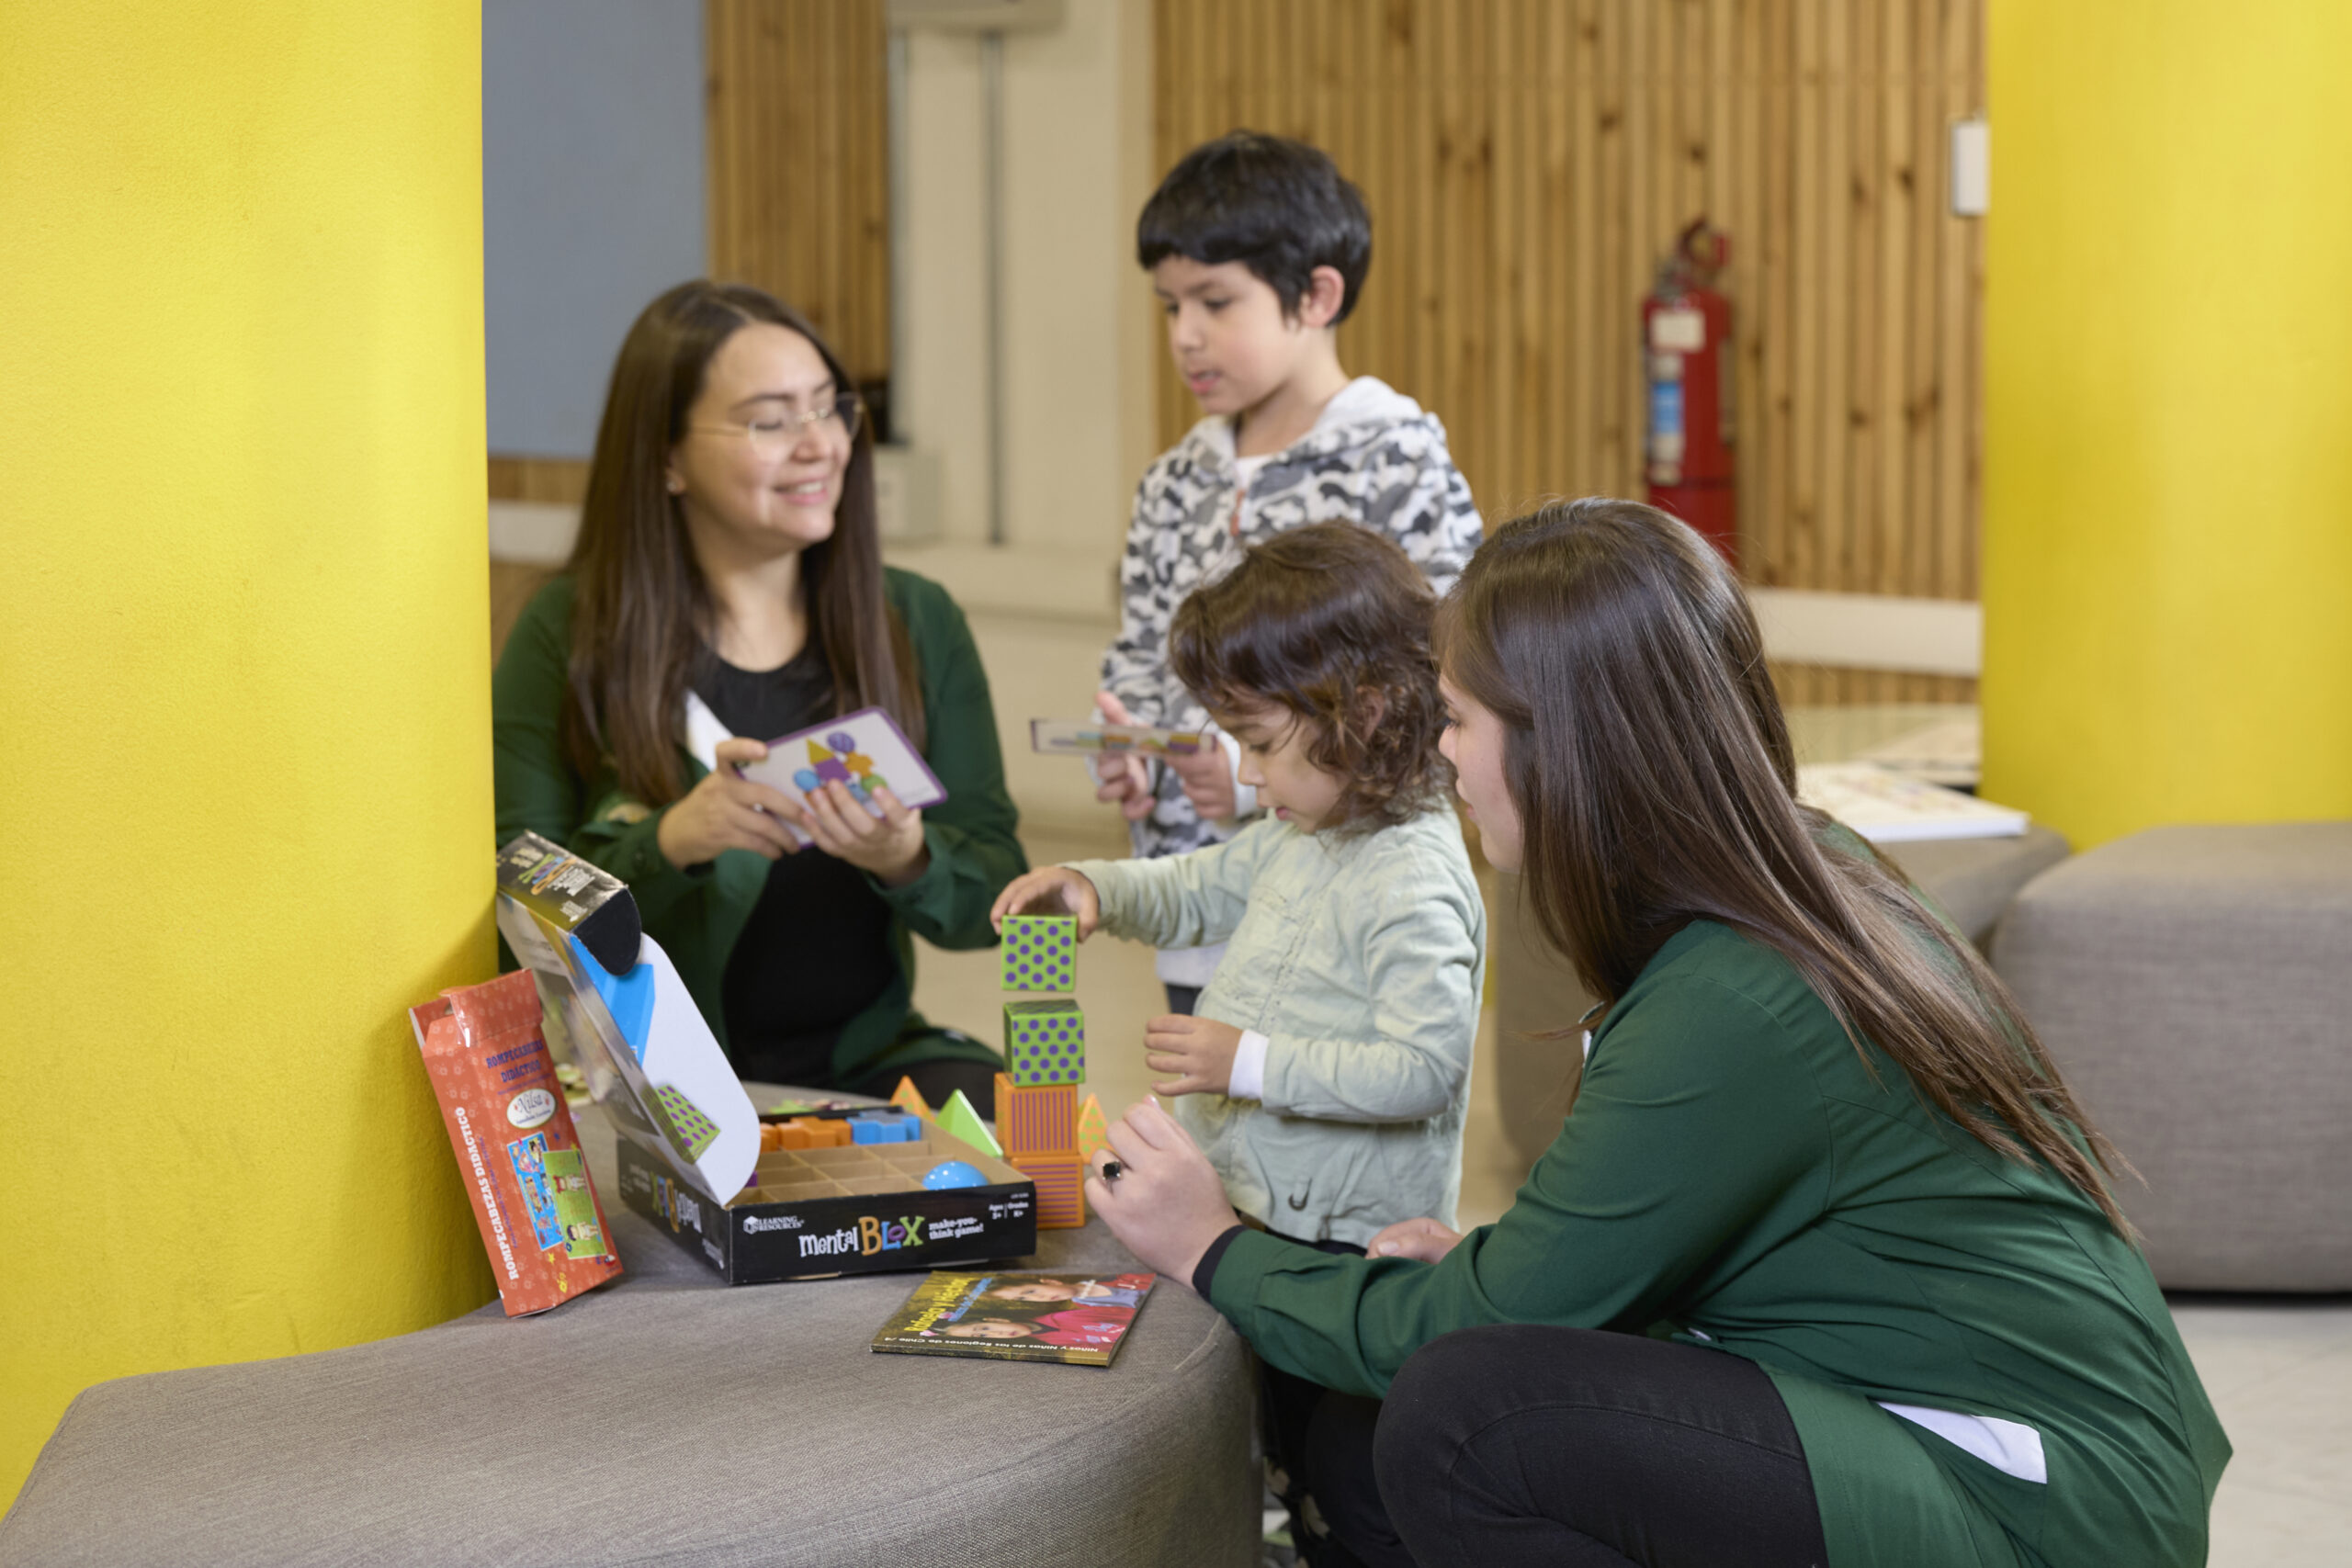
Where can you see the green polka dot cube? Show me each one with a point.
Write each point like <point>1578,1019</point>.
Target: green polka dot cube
<point>1044,1042</point>
<point>682,1122</point>
<point>1038,952</point>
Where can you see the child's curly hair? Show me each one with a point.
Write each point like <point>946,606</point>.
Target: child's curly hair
<point>1332,623</point>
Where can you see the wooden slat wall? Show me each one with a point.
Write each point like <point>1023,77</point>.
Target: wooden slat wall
<point>800,171</point>
<point>798,183</point>
<point>563,480</point>
<point>512,586</point>
<point>1528,161</point>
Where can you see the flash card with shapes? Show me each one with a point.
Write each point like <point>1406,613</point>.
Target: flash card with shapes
<point>865,751</point>
<point>1082,737</point>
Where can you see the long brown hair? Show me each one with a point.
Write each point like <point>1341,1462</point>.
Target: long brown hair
<point>1310,621</point>
<point>642,612</point>
<point>1647,757</point>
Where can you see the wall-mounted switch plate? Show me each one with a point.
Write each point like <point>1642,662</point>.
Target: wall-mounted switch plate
<point>1972,167</point>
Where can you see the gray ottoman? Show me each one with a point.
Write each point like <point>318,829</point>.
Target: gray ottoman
<point>1975,879</point>
<point>669,1419</point>
<point>2195,986</point>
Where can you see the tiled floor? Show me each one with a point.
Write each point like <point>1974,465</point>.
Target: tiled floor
<point>2278,1370</point>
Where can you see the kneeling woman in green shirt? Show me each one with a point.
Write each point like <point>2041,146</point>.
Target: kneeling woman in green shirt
<point>1823,1265</point>
<point>728,583</point>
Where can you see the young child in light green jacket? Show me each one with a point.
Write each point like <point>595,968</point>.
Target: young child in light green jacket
<point>1327,1065</point>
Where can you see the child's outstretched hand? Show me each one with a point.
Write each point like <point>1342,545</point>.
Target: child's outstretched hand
<point>1424,1239</point>
<point>1052,890</point>
<point>1199,1051</point>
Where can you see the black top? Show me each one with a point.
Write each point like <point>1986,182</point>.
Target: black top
<point>816,951</point>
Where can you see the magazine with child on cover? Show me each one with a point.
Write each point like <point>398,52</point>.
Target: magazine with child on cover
<point>1077,1318</point>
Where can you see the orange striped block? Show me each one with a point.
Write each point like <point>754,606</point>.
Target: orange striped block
<point>1062,1197</point>
<point>1036,1118</point>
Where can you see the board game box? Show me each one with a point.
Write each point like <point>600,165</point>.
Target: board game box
<point>813,1214</point>
<point>516,1147</point>
<point>650,1059</point>
<point>692,1155</point>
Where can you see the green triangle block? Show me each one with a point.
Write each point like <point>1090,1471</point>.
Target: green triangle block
<point>958,1119</point>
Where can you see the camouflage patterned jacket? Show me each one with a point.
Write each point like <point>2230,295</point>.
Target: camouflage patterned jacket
<point>1375,457</point>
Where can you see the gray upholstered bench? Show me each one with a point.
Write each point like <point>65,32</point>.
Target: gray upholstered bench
<point>669,1419</point>
<point>2194,985</point>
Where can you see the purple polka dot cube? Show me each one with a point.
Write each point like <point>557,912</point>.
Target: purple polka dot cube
<point>1044,1042</point>
<point>1038,952</point>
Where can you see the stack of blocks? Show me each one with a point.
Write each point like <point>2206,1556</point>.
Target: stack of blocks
<point>1037,1110</point>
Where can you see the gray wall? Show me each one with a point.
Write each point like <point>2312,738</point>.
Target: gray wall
<point>592,199</point>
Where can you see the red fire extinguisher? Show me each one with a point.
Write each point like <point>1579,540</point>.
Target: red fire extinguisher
<point>1687,352</point>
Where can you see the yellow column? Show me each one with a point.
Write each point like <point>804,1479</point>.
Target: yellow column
<point>2168,384</point>
<point>243,679</point>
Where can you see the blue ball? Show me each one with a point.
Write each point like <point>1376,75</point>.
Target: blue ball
<point>952,1173</point>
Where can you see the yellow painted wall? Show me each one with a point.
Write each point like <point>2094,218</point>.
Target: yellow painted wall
<point>2168,574</point>
<point>243,679</point>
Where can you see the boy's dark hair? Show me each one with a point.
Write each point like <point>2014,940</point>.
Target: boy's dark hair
<point>1310,621</point>
<point>1278,207</point>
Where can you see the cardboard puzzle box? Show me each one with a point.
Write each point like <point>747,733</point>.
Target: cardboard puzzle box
<point>517,1150</point>
<point>692,1155</point>
<point>857,1209</point>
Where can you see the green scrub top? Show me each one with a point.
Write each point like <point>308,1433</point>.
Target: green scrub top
<point>698,915</point>
<point>1736,1175</point>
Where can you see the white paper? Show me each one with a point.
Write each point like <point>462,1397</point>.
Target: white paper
<point>1888,807</point>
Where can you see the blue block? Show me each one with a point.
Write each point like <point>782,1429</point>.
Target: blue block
<point>878,1127</point>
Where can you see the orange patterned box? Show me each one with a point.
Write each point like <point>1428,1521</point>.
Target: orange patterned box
<point>517,1151</point>
<point>1036,1118</point>
<point>1061,1188</point>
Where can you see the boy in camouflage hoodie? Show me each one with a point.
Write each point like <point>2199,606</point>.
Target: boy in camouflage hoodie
<point>1257,248</point>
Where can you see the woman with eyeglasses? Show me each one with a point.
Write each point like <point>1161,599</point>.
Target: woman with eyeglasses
<point>727,588</point>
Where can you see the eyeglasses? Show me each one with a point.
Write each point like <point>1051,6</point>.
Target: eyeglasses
<point>773,436</point>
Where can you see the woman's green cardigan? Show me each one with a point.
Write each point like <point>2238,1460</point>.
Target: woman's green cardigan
<point>1736,1173</point>
<point>697,915</point>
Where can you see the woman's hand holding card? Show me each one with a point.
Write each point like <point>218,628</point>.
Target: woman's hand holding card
<point>726,811</point>
<point>890,848</point>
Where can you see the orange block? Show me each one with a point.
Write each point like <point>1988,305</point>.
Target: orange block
<point>824,1132</point>
<point>1036,1118</point>
<point>1061,1195</point>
